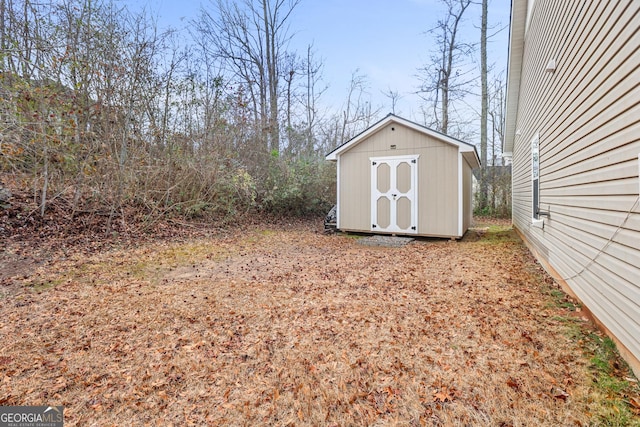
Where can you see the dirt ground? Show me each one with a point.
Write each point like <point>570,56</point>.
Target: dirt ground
<point>286,326</point>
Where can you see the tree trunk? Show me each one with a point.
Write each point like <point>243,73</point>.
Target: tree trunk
<point>3,35</point>
<point>45,184</point>
<point>485,107</point>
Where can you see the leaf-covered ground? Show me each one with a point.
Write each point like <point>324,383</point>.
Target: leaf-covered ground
<point>287,326</point>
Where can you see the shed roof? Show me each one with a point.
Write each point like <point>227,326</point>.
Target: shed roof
<point>468,151</point>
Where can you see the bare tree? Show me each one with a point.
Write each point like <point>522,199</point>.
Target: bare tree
<point>394,96</point>
<point>302,96</point>
<point>498,183</point>
<point>443,80</point>
<point>358,112</point>
<point>251,38</point>
<point>292,67</point>
<point>313,92</point>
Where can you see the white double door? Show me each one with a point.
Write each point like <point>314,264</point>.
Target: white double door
<point>394,185</point>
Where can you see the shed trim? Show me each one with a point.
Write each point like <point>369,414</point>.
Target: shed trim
<point>463,147</point>
<point>413,158</point>
<point>460,195</point>
<point>338,197</point>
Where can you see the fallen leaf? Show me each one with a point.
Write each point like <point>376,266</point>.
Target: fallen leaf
<point>513,383</point>
<point>440,397</point>
<point>559,393</point>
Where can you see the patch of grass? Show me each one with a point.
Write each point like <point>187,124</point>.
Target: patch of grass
<point>257,236</point>
<point>607,365</point>
<point>502,236</point>
<point>41,286</point>
<point>140,269</point>
<point>496,234</point>
<point>562,300</point>
<point>498,228</point>
<point>608,371</point>
<point>187,253</point>
<point>153,265</point>
<point>565,319</point>
<point>147,263</point>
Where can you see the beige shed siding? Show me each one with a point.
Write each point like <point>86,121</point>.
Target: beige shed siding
<point>437,180</point>
<point>587,115</point>
<point>355,192</point>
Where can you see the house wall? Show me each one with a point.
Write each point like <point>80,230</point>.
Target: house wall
<point>437,180</point>
<point>587,116</point>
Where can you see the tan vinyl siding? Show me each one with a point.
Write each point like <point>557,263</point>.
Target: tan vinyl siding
<point>587,115</point>
<point>437,180</point>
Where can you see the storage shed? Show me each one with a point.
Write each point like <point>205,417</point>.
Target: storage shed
<point>398,177</point>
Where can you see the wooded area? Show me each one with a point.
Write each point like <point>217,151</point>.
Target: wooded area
<point>102,112</point>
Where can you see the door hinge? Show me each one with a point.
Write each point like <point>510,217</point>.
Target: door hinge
<point>373,163</point>
<point>413,160</point>
<point>373,226</point>
<point>413,227</point>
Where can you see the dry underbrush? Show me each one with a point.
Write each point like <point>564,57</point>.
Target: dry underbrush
<point>291,327</point>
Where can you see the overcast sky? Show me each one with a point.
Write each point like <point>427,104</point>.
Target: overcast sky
<point>386,40</point>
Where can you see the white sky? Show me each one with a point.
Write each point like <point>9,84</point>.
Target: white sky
<point>386,40</point>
